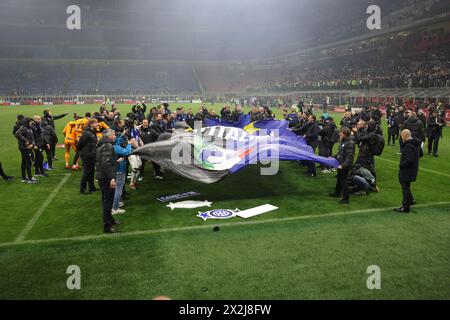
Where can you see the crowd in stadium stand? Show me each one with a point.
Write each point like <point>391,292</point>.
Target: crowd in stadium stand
<point>424,64</point>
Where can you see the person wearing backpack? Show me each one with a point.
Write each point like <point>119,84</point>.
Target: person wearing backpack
<point>329,135</point>
<point>361,181</point>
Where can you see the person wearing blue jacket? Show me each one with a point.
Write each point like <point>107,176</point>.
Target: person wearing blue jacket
<point>122,148</point>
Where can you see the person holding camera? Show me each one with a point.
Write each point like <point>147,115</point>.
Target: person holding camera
<point>139,110</point>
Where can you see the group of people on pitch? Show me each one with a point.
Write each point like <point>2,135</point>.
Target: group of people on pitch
<point>35,135</point>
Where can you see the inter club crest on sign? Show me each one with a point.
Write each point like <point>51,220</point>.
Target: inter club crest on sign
<point>217,214</point>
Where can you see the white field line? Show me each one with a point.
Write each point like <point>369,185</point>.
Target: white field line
<point>201,227</point>
<point>41,209</point>
<point>421,169</point>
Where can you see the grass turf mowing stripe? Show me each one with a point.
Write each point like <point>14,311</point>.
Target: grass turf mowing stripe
<point>41,209</point>
<point>422,169</point>
<point>156,231</point>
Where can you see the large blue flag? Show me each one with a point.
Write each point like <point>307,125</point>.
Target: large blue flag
<point>210,153</point>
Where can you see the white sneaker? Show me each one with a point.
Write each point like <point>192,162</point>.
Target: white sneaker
<point>326,171</point>
<point>118,211</point>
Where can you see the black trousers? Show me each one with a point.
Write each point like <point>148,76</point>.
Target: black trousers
<point>107,203</point>
<point>53,150</point>
<point>39,161</point>
<point>342,184</point>
<point>157,169</point>
<point>324,151</point>
<point>48,152</point>
<point>392,136</point>
<point>408,197</point>
<point>88,174</point>
<point>311,165</point>
<point>2,173</point>
<point>141,173</point>
<point>27,156</point>
<point>433,143</point>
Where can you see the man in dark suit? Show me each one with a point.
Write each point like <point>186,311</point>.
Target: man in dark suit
<point>408,168</point>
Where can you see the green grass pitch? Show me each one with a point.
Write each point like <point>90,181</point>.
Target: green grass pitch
<point>310,248</point>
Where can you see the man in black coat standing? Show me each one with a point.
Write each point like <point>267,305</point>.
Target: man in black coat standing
<point>345,157</point>
<point>106,166</point>
<point>50,120</point>
<point>408,169</point>
<point>435,123</point>
<point>365,138</point>
<point>86,147</point>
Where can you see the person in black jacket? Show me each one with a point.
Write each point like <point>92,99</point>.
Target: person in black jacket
<point>237,114</point>
<point>148,134</point>
<point>348,120</point>
<point>50,119</point>
<point>408,169</point>
<point>50,138</point>
<point>139,111</point>
<point>415,126</point>
<point>225,113</point>
<point>365,138</point>
<point>106,167</point>
<point>423,118</point>
<point>38,137</point>
<point>18,123</point>
<point>25,139</point>
<point>401,118</point>
<point>393,127</point>
<point>435,123</point>
<point>190,118</point>
<point>86,146</point>
<point>375,114</point>
<point>311,134</point>
<point>326,142</point>
<point>345,157</point>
